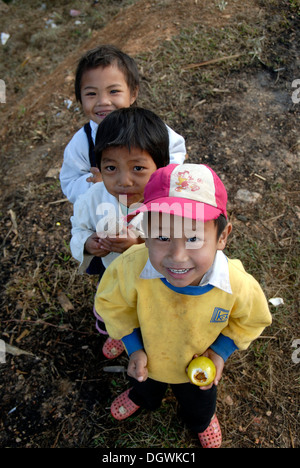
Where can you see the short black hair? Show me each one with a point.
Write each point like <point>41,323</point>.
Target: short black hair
<point>221,223</point>
<point>134,127</point>
<point>103,56</point>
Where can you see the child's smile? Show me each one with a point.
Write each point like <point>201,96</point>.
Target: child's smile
<point>177,276</point>
<point>104,90</point>
<point>183,255</point>
<point>176,272</point>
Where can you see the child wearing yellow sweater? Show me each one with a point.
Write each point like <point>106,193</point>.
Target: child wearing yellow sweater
<point>180,296</point>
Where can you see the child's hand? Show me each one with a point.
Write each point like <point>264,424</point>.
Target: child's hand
<point>218,362</point>
<point>120,244</point>
<point>96,177</point>
<point>137,367</point>
<point>93,246</point>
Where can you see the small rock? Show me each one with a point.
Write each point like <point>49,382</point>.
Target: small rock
<point>246,196</point>
<point>53,172</point>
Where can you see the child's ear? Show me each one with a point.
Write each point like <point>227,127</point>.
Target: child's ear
<point>224,236</point>
<point>134,95</point>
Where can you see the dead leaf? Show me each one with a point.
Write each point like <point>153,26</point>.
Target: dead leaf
<point>16,351</point>
<point>13,218</point>
<point>23,335</point>
<point>65,303</point>
<point>228,400</point>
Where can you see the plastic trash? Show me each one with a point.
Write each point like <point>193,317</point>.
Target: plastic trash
<point>276,301</point>
<point>4,38</point>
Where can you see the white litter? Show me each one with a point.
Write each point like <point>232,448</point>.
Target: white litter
<point>276,301</point>
<point>68,103</point>
<point>4,38</point>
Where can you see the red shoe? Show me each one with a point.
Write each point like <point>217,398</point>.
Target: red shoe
<point>212,436</point>
<point>122,407</point>
<point>112,348</point>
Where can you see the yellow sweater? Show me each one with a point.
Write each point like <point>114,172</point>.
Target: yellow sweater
<point>175,326</point>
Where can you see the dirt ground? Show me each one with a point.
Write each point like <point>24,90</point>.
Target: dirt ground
<point>239,113</point>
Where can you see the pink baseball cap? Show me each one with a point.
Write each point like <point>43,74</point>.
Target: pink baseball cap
<point>188,190</point>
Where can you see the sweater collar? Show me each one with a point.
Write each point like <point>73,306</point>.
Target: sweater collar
<point>217,276</point>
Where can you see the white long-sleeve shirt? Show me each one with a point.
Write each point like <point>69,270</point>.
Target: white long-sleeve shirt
<point>76,164</point>
<point>93,212</point>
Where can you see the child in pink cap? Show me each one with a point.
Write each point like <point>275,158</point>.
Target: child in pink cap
<point>179,296</point>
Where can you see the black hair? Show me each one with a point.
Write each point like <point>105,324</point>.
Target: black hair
<point>103,56</point>
<point>134,127</point>
<point>221,223</point>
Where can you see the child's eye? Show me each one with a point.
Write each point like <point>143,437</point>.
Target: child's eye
<point>163,238</point>
<point>194,243</point>
<point>91,93</point>
<point>115,91</point>
<point>138,168</point>
<point>110,168</point>
<point>193,239</point>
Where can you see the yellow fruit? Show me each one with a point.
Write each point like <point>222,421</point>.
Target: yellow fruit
<point>201,371</point>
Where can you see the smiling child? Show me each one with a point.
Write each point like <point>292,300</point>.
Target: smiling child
<point>179,296</point>
<point>107,79</point>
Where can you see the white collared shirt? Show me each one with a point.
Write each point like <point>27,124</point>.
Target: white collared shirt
<point>217,275</point>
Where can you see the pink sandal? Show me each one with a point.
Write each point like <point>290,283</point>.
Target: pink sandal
<point>122,407</point>
<point>212,436</point>
<point>112,348</point>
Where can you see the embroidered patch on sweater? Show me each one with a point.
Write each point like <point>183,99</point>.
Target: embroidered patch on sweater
<point>219,315</point>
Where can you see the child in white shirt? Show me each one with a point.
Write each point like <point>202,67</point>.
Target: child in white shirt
<point>106,79</point>
<point>131,143</point>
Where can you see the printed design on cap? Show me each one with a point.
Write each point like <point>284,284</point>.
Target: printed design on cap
<point>194,183</point>
<point>185,181</point>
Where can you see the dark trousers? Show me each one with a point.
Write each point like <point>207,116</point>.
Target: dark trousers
<point>196,407</point>
<point>96,267</point>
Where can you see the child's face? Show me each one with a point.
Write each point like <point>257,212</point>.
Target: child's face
<point>104,90</point>
<point>183,253</point>
<point>125,173</point>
